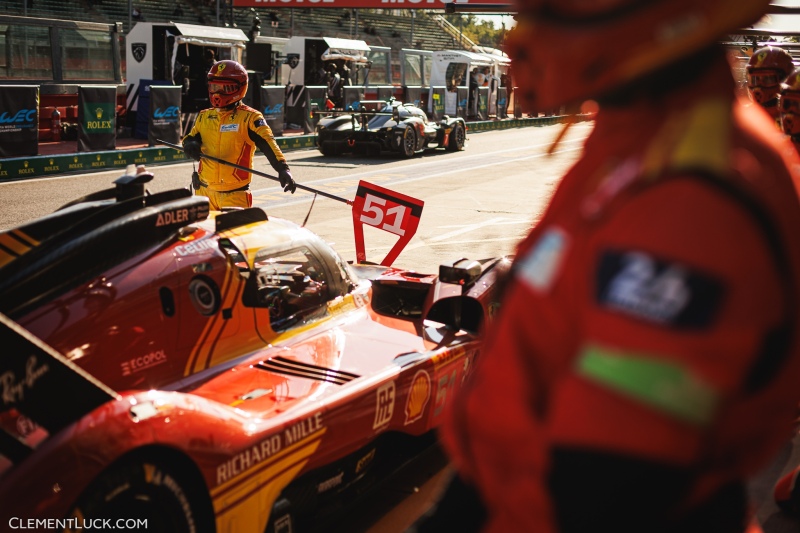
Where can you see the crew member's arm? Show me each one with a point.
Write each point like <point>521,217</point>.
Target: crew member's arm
<point>192,141</point>
<point>653,427</point>
<point>261,134</point>
<point>617,393</point>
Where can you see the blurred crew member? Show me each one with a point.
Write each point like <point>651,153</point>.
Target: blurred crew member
<point>766,69</point>
<point>644,360</point>
<point>789,106</point>
<point>231,131</point>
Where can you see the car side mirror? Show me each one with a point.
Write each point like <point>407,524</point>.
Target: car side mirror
<point>462,272</point>
<point>458,313</point>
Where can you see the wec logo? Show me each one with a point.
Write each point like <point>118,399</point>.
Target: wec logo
<point>277,108</point>
<point>170,112</point>
<point>22,116</point>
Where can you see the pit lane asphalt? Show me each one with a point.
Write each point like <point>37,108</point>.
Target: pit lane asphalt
<point>478,203</point>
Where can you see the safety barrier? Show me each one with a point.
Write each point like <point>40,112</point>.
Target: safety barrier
<point>55,165</point>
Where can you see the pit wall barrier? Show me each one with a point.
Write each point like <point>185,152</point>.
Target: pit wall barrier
<point>18,168</point>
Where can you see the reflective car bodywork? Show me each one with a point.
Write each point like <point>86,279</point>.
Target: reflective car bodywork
<point>215,371</point>
<point>395,127</point>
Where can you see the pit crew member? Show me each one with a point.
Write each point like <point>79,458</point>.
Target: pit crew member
<point>644,361</point>
<point>766,69</point>
<point>231,131</point>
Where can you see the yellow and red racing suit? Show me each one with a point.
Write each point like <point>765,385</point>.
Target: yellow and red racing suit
<point>233,135</point>
<point>645,359</point>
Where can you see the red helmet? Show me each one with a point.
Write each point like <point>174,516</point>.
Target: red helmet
<point>227,83</point>
<point>789,104</point>
<point>567,50</point>
<point>766,69</point>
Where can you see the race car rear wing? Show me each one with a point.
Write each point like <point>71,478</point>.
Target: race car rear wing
<point>43,385</point>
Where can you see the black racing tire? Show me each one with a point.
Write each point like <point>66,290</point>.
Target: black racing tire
<point>458,138</point>
<point>161,492</point>
<point>408,145</point>
<point>327,151</point>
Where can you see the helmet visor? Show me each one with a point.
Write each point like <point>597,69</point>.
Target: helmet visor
<point>763,78</point>
<point>223,87</point>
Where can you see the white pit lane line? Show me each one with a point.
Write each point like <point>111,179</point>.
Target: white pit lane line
<point>274,196</point>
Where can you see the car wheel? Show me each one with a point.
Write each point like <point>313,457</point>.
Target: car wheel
<point>146,490</point>
<point>326,150</point>
<point>409,145</point>
<point>458,137</point>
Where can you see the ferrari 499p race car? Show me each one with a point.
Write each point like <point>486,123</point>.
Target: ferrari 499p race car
<point>213,371</point>
<point>395,127</point>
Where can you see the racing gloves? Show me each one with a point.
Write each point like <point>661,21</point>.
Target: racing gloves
<point>286,180</point>
<point>191,147</point>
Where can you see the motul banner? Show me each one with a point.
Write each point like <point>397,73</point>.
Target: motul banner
<point>369,4</point>
<point>97,118</point>
<point>165,114</point>
<point>19,120</point>
<point>272,102</point>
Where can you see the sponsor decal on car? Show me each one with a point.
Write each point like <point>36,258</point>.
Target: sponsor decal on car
<point>270,446</point>
<point>172,217</point>
<point>331,483</point>
<point>384,405</point>
<point>418,397</point>
<point>195,247</point>
<point>143,362</point>
<point>13,387</point>
<point>365,461</point>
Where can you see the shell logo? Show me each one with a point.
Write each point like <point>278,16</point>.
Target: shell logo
<point>418,397</point>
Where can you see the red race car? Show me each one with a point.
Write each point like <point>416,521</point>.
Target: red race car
<point>177,369</point>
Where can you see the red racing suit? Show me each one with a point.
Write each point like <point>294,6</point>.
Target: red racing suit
<point>644,360</point>
<point>233,135</point>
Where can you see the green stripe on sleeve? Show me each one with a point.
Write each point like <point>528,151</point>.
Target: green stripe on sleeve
<point>663,385</point>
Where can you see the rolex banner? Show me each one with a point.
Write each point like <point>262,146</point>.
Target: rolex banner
<point>97,124</point>
<point>165,114</point>
<point>19,120</point>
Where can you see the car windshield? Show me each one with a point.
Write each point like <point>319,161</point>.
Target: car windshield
<point>379,121</point>
<point>291,284</point>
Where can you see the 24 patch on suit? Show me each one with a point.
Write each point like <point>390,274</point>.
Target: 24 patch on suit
<point>657,290</point>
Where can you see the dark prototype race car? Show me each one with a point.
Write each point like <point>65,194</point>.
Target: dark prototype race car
<point>214,371</point>
<point>395,127</point>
